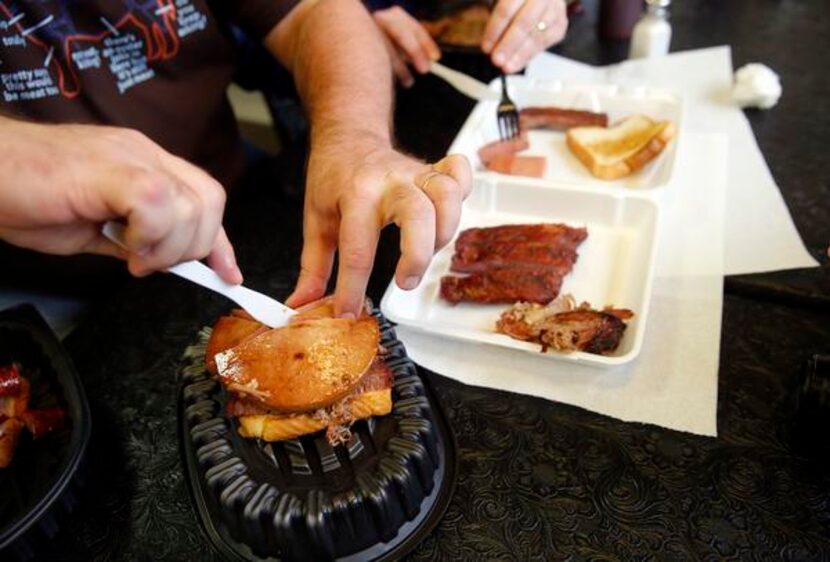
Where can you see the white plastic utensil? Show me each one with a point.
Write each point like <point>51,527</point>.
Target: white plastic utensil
<point>467,85</point>
<point>265,309</point>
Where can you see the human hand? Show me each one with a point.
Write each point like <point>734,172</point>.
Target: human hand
<point>519,29</point>
<point>77,177</point>
<point>351,195</point>
<point>406,42</point>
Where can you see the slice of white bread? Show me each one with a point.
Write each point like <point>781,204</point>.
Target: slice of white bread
<point>271,427</point>
<point>622,149</point>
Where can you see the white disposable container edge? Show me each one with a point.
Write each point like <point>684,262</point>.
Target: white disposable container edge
<point>621,227</point>
<point>562,166</point>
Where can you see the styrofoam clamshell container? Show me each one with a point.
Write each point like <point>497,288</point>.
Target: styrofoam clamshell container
<point>563,167</point>
<point>615,264</point>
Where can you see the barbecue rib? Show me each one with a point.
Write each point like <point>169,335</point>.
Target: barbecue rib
<point>558,234</point>
<point>503,286</point>
<point>509,263</point>
<point>15,413</point>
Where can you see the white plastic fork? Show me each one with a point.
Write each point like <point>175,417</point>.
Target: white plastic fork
<point>269,311</point>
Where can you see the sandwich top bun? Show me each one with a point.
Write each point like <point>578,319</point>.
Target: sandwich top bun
<point>309,364</point>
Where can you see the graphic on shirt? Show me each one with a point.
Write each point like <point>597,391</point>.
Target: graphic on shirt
<point>144,32</point>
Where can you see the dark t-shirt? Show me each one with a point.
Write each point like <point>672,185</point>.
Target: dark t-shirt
<point>158,66</point>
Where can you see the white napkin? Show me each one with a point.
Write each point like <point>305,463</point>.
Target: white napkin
<point>760,234</point>
<point>674,381</point>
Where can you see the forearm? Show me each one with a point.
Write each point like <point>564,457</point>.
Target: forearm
<point>341,70</point>
<point>25,163</point>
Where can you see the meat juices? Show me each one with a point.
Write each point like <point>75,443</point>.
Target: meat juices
<point>509,263</point>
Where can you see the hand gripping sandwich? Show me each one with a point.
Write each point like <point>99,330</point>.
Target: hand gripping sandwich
<point>318,372</point>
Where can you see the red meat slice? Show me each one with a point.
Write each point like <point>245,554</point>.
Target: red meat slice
<point>513,165</point>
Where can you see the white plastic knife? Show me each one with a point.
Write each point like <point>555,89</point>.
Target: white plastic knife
<point>269,311</point>
<point>467,85</point>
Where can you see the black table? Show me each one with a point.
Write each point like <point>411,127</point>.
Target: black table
<point>537,479</point>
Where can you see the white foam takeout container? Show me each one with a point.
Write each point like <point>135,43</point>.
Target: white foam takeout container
<point>615,264</point>
<point>562,166</point>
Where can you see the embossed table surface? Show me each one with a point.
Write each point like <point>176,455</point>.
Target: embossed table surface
<point>537,479</point>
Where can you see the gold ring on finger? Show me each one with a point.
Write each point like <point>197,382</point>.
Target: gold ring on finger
<point>430,175</point>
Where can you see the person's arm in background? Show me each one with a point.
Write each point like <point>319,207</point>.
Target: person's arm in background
<point>516,31</point>
<point>357,183</point>
<point>519,29</point>
<point>59,183</point>
<point>407,42</point>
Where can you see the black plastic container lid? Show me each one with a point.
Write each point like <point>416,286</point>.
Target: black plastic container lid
<point>373,498</point>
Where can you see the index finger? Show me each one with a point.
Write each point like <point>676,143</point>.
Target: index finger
<point>319,245</point>
<point>358,240</point>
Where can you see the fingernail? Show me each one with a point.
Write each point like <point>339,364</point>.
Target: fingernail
<point>348,316</point>
<point>410,282</point>
<point>498,59</point>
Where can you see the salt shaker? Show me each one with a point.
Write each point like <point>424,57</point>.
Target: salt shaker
<point>652,34</point>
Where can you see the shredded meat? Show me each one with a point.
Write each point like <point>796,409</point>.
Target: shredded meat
<point>564,328</point>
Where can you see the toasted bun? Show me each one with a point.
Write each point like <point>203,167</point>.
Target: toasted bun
<point>620,150</point>
<point>306,365</point>
<point>228,332</point>
<point>272,427</point>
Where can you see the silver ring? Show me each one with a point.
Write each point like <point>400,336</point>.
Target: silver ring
<point>430,175</point>
<point>541,26</point>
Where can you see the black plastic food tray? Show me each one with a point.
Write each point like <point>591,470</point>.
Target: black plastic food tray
<point>42,483</point>
<point>373,498</point>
